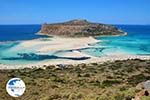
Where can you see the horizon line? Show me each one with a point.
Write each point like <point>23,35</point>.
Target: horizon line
<point>52,23</point>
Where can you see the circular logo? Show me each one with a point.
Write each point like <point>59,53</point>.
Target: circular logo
<point>15,87</point>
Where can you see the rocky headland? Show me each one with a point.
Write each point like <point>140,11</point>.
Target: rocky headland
<point>79,28</point>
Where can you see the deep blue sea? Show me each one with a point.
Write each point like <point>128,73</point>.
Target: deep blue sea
<point>18,32</point>
<point>136,42</point>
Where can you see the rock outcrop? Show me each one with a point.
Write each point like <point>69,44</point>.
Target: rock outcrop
<point>144,88</point>
<point>79,28</point>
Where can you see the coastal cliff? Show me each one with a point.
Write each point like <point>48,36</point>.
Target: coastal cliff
<point>79,28</point>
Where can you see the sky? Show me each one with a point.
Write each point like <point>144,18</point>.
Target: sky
<point>51,11</point>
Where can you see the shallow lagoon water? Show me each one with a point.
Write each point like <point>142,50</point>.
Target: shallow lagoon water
<point>136,42</point>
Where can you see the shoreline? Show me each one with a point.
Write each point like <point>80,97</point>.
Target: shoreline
<point>125,34</point>
<point>56,44</point>
<point>56,63</point>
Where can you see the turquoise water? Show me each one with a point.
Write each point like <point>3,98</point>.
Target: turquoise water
<point>136,42</point>
<point>10,38</point>
<point>11,52</point>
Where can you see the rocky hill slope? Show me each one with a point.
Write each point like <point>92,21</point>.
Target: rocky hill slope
<point>108,81</point>
<point>79,28</point>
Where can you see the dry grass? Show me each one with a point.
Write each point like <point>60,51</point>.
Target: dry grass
<point>108,81</point>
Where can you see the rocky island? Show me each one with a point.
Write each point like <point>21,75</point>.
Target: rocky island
<point>79,28</point>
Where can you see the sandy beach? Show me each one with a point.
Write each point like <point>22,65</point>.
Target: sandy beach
<point>73,62</point>
<point>56,44</point>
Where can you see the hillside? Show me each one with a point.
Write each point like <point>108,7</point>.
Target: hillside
<point>108,81</point>
<point>79,28</point>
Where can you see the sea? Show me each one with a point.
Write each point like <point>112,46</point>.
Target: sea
<point>136,42</point>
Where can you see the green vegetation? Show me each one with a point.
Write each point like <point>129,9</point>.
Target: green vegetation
<point>107,81</point>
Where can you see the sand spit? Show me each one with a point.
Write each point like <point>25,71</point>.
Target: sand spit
<point>56,43</point>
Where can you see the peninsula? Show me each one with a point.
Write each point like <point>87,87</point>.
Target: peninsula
<point>72,43</point>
